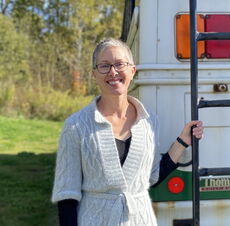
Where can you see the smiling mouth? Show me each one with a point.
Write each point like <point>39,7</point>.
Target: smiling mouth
<point>115,82</point>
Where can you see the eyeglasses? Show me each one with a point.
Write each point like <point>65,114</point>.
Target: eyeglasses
<point>105,68</point>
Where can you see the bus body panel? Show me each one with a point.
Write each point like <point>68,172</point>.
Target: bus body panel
<point>162,83</point>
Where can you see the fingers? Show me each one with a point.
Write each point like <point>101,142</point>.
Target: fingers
<point>196,123</point>
<point>197,133</point>
<point>198,130</point>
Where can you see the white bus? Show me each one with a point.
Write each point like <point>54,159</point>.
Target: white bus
<point>159,38</point>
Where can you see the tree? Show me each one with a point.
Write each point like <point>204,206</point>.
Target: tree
<point>6,6</point>
<point>13,52</point>
<point>13,60</point>
<point>62,35</point>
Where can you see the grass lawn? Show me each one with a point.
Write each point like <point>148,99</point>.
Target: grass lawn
<point>27,157</point>
<point>20,135</point>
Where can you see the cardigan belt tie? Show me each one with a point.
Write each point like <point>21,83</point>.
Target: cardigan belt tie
<point>125,204</point>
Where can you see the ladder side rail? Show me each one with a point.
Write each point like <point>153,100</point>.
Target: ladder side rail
<point>213,36</point>
<point>194,112</point>
<point>213,103</point>
<point>214,171</point>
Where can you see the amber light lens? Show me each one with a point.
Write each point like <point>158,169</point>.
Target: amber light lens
<point>217,48</point>
<point>183,36</point>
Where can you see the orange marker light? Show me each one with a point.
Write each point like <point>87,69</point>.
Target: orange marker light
<point>183,36</point>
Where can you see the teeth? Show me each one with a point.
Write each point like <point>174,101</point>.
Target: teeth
<point>114,82</point>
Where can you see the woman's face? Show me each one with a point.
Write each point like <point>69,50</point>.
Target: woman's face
<point>113,82</point>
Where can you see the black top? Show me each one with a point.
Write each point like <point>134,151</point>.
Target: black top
<point>67,209</point>
<point>123,149</point>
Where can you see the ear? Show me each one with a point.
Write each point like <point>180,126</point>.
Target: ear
<point>133,70</point>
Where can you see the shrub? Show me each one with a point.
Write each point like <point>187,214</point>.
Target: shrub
<point>6,94</point>
<point>47,103</point>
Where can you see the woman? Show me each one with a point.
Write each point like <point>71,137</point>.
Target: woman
<point>107,156</point>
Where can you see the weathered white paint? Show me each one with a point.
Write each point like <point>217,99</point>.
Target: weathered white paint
<point>163,85</point>
<point>213,212</point>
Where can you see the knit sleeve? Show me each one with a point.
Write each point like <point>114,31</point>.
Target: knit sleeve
<point>68,173</point>
<point>156,161</point>
<point>155,168</point>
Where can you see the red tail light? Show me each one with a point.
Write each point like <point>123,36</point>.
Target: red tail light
<point>217,48</point>
<point>175,185</point>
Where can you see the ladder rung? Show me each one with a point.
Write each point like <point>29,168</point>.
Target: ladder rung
<point>214,171</point>
<point>213,36</point>
<point>213,103</point>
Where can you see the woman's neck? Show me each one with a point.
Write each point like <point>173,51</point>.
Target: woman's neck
<point>117,105</point>
<point>120,113</point>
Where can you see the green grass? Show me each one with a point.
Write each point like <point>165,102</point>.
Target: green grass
<point>27,157</point>
<point>21,135</point>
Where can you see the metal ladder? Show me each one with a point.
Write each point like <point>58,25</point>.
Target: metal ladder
<point>196,171</point>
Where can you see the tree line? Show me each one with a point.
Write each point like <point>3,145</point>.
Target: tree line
<point>46,47</point>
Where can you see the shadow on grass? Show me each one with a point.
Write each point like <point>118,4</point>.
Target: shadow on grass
<point>26,181</point>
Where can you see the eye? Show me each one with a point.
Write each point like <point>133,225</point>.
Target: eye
<point>104,66</point>
<point>120,65</point>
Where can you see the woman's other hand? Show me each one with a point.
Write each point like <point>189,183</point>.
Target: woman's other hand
<point>197,131</point>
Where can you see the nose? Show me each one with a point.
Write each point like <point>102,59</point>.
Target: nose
<point>113,71</point>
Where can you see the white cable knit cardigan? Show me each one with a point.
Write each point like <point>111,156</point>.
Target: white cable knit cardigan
<point>88,169</point>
